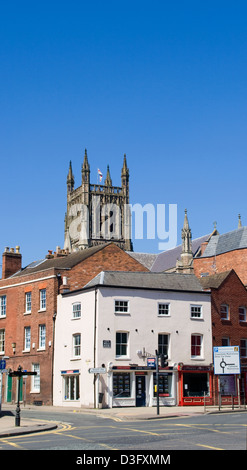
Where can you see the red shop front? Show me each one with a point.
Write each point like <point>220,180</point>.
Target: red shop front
<point>195,383</point>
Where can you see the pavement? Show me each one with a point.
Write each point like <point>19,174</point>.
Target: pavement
<point>34,424</point>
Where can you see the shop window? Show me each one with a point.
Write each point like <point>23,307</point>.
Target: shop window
<point>165,384</point>
<point>195,384</point>
<point>71,387</point>
<point>121,385</point>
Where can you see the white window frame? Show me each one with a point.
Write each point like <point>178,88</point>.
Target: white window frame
<point>2,341</point>
<point>121,307</point>
<point>35,382</point>
<point>28,303</point>
<point>42,299</point>
<point>76,345</point>
<point>165,306</point>
<point>42,336</point>
<point>163,348</point>
<point>122,344</point>
<point>3,304</point>
<point>243,313</point>
<point>196,356</point>
<point>71,386</point>
<point>196,309</point>
<point>27,338</point>
<point>76,312</point>
<point>227,312</point>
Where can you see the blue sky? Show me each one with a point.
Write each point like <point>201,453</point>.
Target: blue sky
<point>163,82</point>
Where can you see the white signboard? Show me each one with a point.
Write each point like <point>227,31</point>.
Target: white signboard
<point>226,360</point>
<point>97,370</point>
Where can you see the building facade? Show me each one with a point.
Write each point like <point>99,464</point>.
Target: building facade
<point>97,213</point>
<point>229,328</point>
<point>116,324</point>
<point>28,310</point>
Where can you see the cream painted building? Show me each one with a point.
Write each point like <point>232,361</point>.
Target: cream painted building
<point>116,323</point>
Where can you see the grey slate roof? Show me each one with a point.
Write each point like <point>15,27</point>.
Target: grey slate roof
<point>214,281</point>
<point>63,262</point>
<point>167,259</point>
<point>235,240</point>
<point>146,259</point>
<point>147,280</point>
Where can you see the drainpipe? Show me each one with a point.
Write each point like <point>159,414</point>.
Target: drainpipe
<point>53,349</point>
<point>94,345</point>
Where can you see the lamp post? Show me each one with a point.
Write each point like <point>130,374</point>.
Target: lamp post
<point>19,373</point>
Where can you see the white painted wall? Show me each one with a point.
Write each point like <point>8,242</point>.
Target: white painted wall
<point>143,317</point>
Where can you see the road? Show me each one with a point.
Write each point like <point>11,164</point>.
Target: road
<point>86,432</point>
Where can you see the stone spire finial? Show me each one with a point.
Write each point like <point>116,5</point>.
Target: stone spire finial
<point>108,181</point>
<point>186,235</point>
<point>239,221</point>
<point>70,178</point>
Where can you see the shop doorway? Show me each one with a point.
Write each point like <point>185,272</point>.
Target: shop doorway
<point>140,390</point>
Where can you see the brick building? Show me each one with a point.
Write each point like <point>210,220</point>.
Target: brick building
<point>28,306</point>
<point>222,253</point>
<point>229,325</point>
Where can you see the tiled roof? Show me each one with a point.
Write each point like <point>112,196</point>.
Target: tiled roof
<point>63,262</point>
<point>167,259</point>
<point>147,280</point>
<point>235,240</point>
<point>214,281</point>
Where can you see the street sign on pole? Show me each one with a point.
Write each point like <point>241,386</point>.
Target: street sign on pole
<point>97,370</point>
<point>226,360</point>
<point>2,364</point>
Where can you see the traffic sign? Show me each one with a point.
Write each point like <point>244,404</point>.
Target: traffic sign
<point>97,370</point>
<point>226,360</point>
<point>2,364</point>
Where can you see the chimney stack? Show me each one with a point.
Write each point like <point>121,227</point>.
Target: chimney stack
<point>12,260</point>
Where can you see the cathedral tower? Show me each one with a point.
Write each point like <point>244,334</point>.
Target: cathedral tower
<point>97,213</point>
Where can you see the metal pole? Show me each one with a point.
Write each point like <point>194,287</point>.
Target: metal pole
<point>18,410</point>
<point>157,382</point>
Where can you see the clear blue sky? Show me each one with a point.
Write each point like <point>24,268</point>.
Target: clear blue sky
<point>162,81</point>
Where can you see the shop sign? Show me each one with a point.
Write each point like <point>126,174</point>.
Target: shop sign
<point>151,362</point>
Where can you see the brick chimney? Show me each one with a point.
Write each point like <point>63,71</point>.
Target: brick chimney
<point>12,260</point>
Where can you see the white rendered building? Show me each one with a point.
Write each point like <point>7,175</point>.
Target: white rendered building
<point>116,323</point>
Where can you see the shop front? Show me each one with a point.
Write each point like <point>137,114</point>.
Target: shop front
<point>137,386</point>
<point>195,383</point>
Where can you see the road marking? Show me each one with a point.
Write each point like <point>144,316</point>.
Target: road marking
<point>7,442</point>
<point>209,447</point>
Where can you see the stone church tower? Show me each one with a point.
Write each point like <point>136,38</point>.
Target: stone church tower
<point>97,213</point>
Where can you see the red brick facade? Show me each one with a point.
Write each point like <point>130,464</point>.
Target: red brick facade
<point>227,289</point>
<point>236,259</point>
<point>17,317</point>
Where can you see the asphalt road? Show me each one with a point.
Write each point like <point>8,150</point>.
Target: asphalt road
<point>84,433</point>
